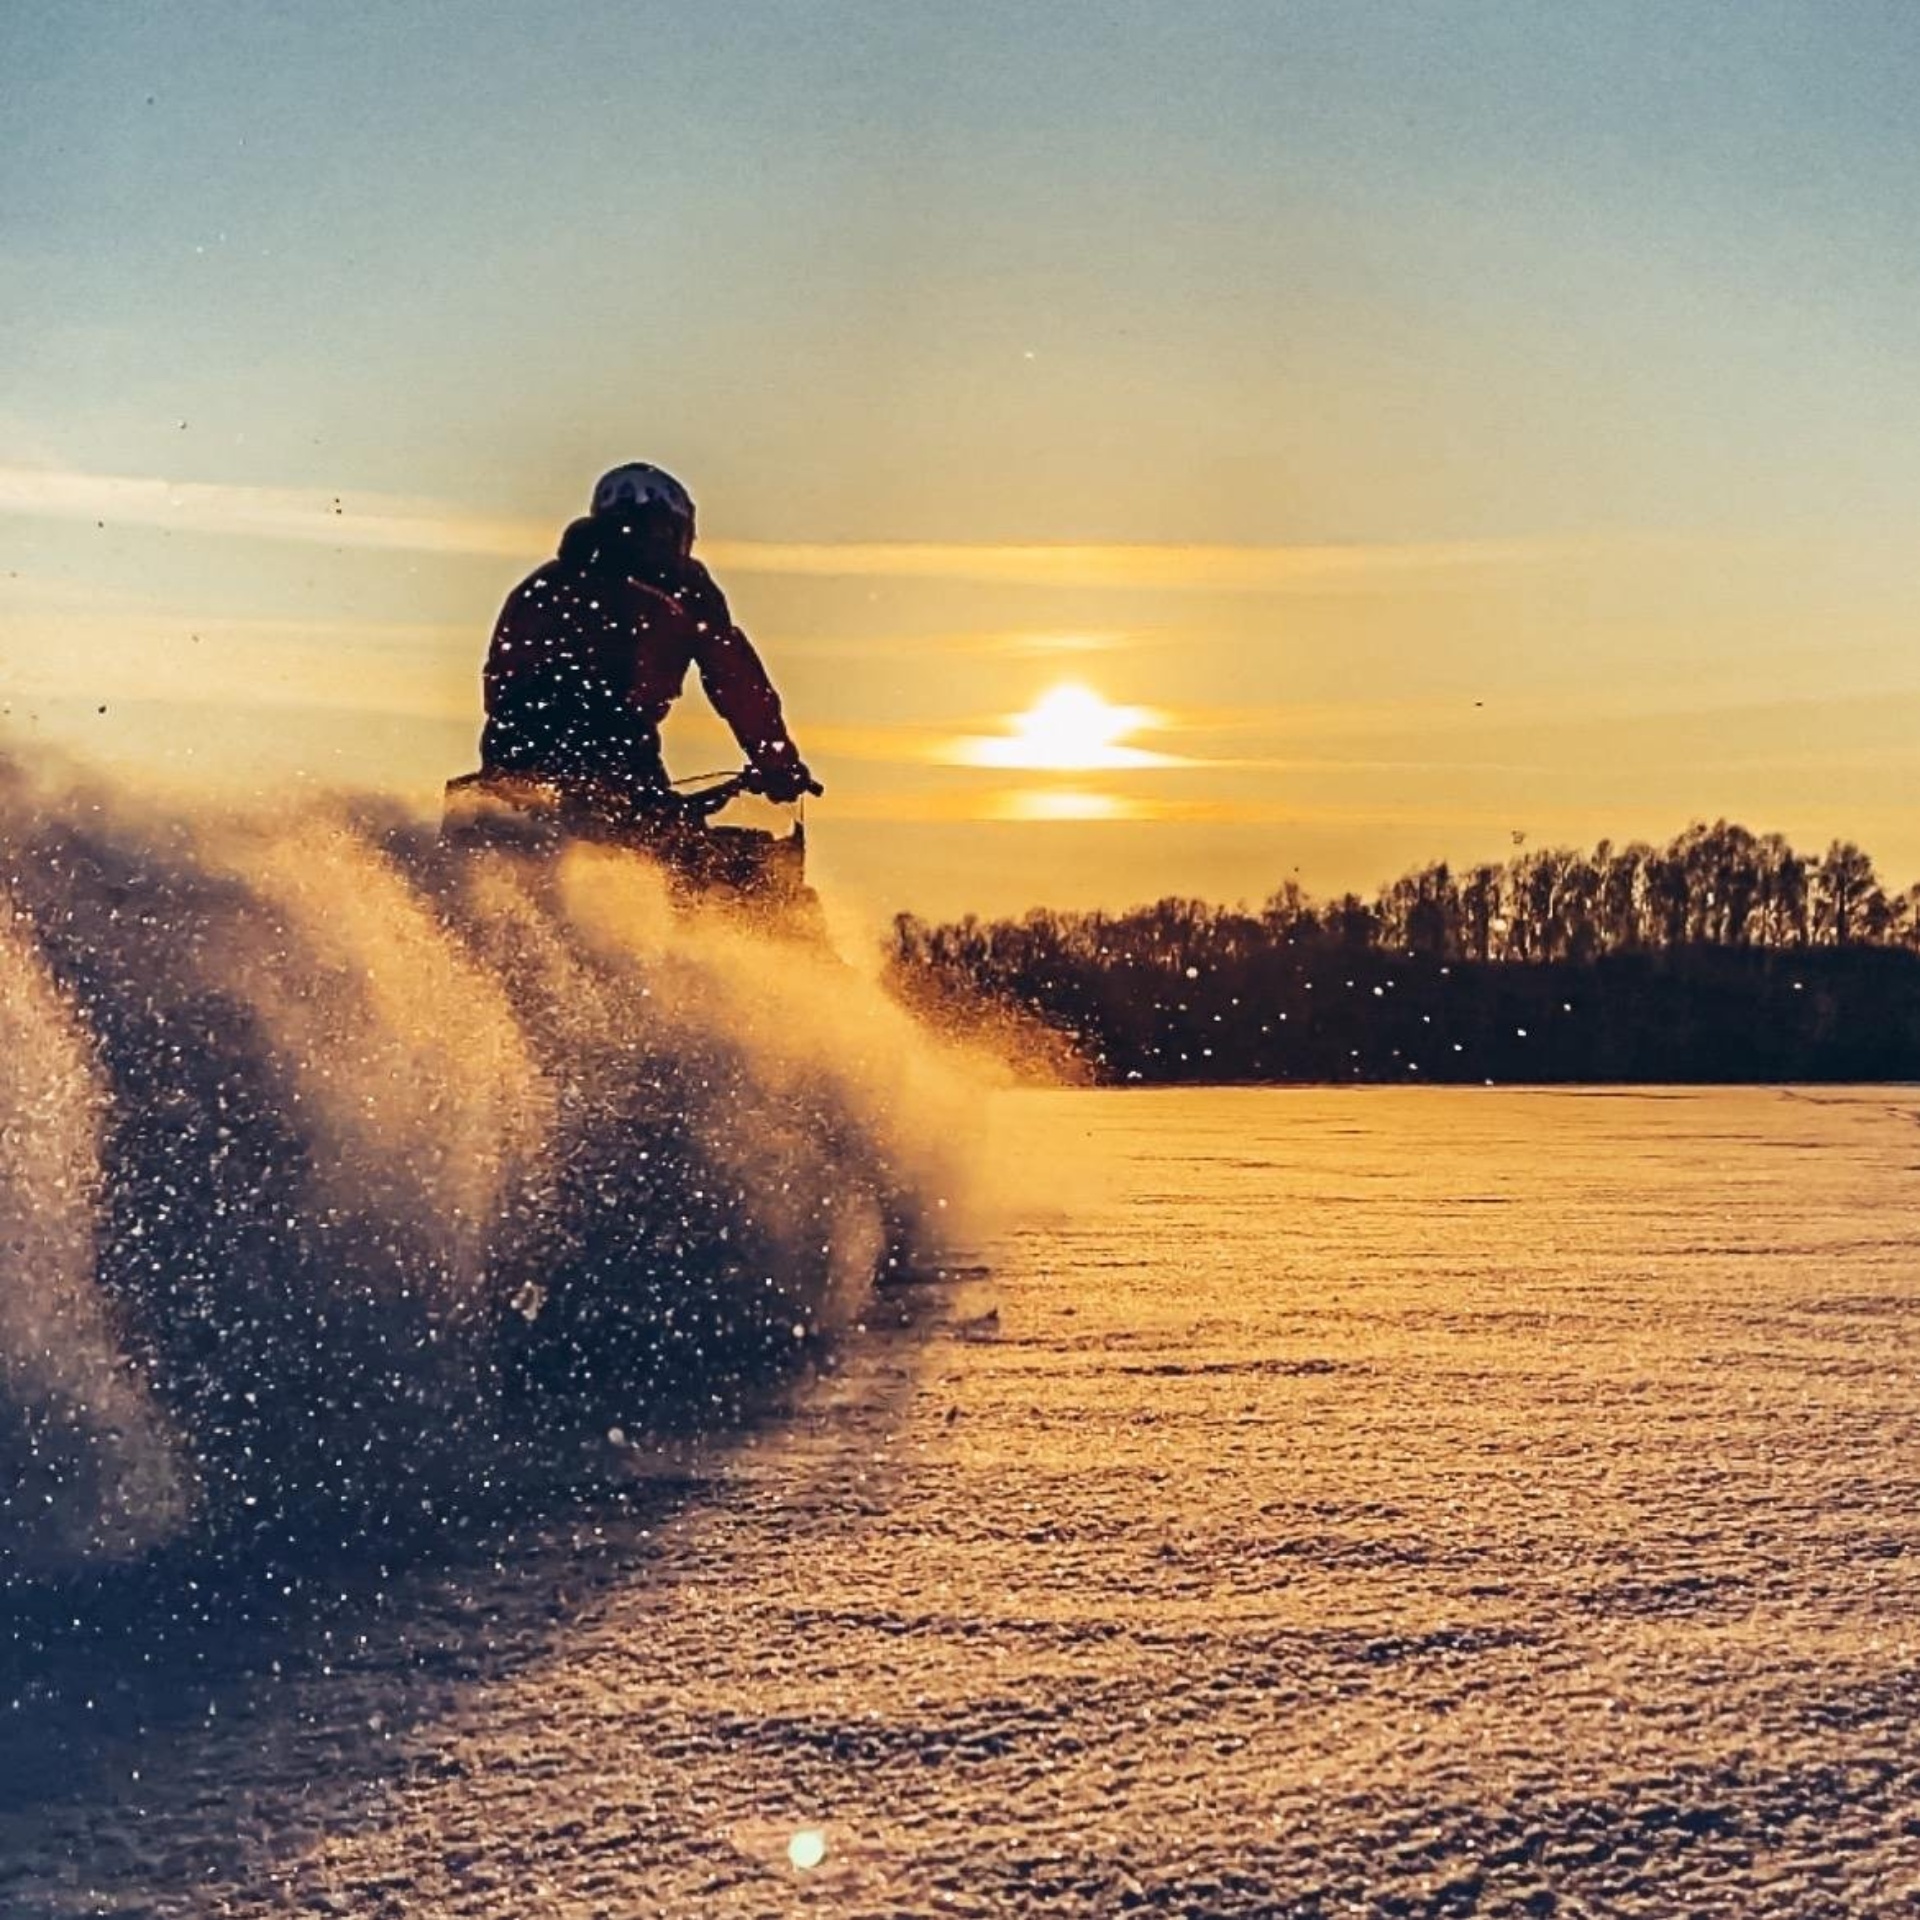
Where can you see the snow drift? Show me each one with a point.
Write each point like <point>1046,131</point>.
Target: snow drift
<point>337,1171</point>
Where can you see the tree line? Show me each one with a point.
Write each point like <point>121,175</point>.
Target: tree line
<point>1723,955</point>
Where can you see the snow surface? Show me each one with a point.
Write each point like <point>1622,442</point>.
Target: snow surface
<point>1334,1503</point>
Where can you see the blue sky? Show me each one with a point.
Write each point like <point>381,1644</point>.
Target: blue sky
<point>1585,332</point>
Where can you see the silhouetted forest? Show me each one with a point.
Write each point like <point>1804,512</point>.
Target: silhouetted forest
<point>1724,955</point>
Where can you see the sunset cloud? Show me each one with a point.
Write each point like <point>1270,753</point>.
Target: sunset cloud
<point>1189,569</point>
<point>1038,805</point>
<point>65,642</point>
<point>264,513</point>
<point>398,523</point>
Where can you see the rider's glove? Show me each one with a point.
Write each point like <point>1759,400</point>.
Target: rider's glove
<point>785,779</point>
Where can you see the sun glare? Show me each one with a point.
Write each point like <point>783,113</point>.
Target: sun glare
<point>1068,730</point>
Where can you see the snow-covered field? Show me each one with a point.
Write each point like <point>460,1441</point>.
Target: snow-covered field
<point>1333,1503</point>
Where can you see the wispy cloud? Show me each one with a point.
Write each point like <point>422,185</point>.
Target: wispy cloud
<point>1083,805</point>
<point>1176,569</point>
<point>265,513</point>
<point>398,523</point>
<point>56,643</point>
<point>1018,643</point>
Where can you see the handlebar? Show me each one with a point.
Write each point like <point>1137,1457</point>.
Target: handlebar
<point>698,802</point>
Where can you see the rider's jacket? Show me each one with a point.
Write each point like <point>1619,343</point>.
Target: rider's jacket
<point>591,649</point>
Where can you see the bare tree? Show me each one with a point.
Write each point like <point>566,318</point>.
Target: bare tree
<point>1844,888</point>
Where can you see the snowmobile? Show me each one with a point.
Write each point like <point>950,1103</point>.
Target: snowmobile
<point>752,868</point>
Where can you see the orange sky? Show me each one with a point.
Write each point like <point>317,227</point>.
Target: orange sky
<point>1425,431</point>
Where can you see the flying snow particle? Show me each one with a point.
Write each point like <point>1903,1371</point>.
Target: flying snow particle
<point>807,1848</point>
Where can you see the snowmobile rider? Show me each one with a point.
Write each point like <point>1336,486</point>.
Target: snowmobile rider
<point>591,650</point>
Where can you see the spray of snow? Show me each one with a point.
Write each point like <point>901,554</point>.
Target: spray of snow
<point>338,1170</point>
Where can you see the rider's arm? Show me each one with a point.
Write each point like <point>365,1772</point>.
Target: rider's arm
<point>737,684</point>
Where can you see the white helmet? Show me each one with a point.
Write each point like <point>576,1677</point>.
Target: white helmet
<point>639,485</point>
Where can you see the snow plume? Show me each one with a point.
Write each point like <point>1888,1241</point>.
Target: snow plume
<point>340,1173</point>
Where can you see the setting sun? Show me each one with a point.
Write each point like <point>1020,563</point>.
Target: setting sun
<point>1071,729</point>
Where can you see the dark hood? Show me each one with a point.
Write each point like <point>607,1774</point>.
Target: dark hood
<point>600,543</point>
